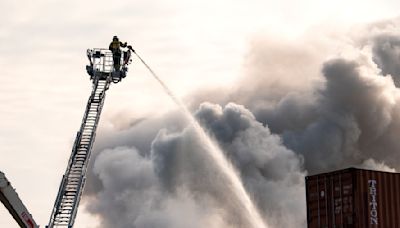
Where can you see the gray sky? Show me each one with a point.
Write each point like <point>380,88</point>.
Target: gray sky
<point>191,44</point>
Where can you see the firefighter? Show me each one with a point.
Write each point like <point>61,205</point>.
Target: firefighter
<point>115,48</point>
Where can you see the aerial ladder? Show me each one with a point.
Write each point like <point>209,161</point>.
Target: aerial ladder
<point>102,73</point>
<point>14,205</point>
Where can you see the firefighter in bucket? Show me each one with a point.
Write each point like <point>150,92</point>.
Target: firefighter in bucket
<point>115,48</point>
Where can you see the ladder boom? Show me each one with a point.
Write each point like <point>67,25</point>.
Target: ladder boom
<point>11,200</point>
<point>102,73</point>
<point>73,181</point>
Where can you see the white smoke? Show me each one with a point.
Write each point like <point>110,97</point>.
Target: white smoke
<point>295,113</point>
<point>372,164</point>
<point>132,195</point>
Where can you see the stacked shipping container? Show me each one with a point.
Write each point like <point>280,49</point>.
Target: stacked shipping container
<point>353,198</point>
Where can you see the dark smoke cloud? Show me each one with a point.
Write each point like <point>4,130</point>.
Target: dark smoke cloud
<point>294,113</point>
<point>278,75</point>
<point>178,185</point>
<point>266,166</point>
<point>386,50</point>
<point>354,112</point>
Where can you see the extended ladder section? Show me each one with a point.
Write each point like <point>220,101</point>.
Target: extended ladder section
<point>72,183</point>
<point>102,73</point>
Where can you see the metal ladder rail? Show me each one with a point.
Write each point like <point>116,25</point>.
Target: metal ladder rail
<point>70,191</point>
<point>74,179</point>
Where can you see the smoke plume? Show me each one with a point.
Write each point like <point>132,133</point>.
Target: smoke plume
<point>297,111</point>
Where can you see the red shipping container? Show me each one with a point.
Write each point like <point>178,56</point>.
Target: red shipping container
<point>353,198</point>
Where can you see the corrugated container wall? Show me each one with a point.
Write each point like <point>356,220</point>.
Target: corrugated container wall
<point>353,198</point>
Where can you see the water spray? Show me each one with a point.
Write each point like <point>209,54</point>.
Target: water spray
<point>216,153</point>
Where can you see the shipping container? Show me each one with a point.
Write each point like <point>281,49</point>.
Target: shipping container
<point>355,198</point>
